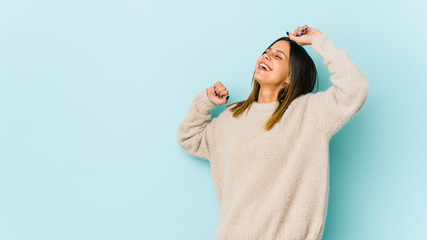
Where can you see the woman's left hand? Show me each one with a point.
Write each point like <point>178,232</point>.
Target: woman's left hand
<point>304,35</point>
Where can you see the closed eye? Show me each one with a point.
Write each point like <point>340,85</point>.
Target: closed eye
<point>276,55</point>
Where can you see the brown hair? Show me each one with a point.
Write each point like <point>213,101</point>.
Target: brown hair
<point>303,79</point>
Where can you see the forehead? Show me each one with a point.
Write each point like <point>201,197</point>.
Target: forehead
<point>281,45</point>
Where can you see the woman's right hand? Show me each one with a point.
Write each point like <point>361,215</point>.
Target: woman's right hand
<point>218,94</point>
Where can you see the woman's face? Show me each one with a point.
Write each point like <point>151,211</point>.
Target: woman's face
<point>277,60</point>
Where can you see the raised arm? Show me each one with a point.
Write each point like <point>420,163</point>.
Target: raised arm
<point>334,107</point>
<point>348,94</point>
<point>195,133</point>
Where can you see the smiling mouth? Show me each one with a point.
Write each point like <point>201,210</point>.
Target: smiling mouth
<point>262,68</point>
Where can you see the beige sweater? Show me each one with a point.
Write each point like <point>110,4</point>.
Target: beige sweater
<point>275,184</point>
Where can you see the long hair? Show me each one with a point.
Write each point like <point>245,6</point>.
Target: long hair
<point>303,75</point>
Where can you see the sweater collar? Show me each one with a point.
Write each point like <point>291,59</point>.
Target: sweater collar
<point>264,107</point>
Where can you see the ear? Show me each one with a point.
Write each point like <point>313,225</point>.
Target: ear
<point>287,81</point>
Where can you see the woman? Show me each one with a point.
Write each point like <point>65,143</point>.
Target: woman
<point>270,165</point>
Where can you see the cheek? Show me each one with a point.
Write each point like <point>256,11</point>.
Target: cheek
<point>283,71</point>
<point>283,67</point>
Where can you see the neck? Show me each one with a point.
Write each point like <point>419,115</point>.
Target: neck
<point>268,94</point>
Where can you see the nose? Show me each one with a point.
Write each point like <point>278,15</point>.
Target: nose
<point>266,56</point>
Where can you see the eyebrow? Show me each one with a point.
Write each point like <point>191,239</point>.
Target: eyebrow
<point>279,52</point>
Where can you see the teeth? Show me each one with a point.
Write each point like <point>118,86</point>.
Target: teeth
<point>265,66</point>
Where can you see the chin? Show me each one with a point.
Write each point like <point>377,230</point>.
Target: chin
<point>260,76</point>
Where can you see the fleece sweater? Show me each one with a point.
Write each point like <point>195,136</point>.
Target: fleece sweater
<point>275,184</point>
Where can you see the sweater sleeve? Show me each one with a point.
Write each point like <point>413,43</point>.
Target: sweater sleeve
<point>348,94</point>
<point>195,133</point>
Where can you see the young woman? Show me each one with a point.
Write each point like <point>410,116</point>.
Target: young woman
<point>269,154</point>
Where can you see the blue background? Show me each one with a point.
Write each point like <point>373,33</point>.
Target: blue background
<point>92,93</point>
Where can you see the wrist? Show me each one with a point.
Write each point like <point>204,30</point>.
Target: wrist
<point>316,36</point>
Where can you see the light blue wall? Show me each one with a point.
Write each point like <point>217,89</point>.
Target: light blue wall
<point>92,93</point>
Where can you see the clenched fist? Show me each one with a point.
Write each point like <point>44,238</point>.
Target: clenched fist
<point>218,94</point>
